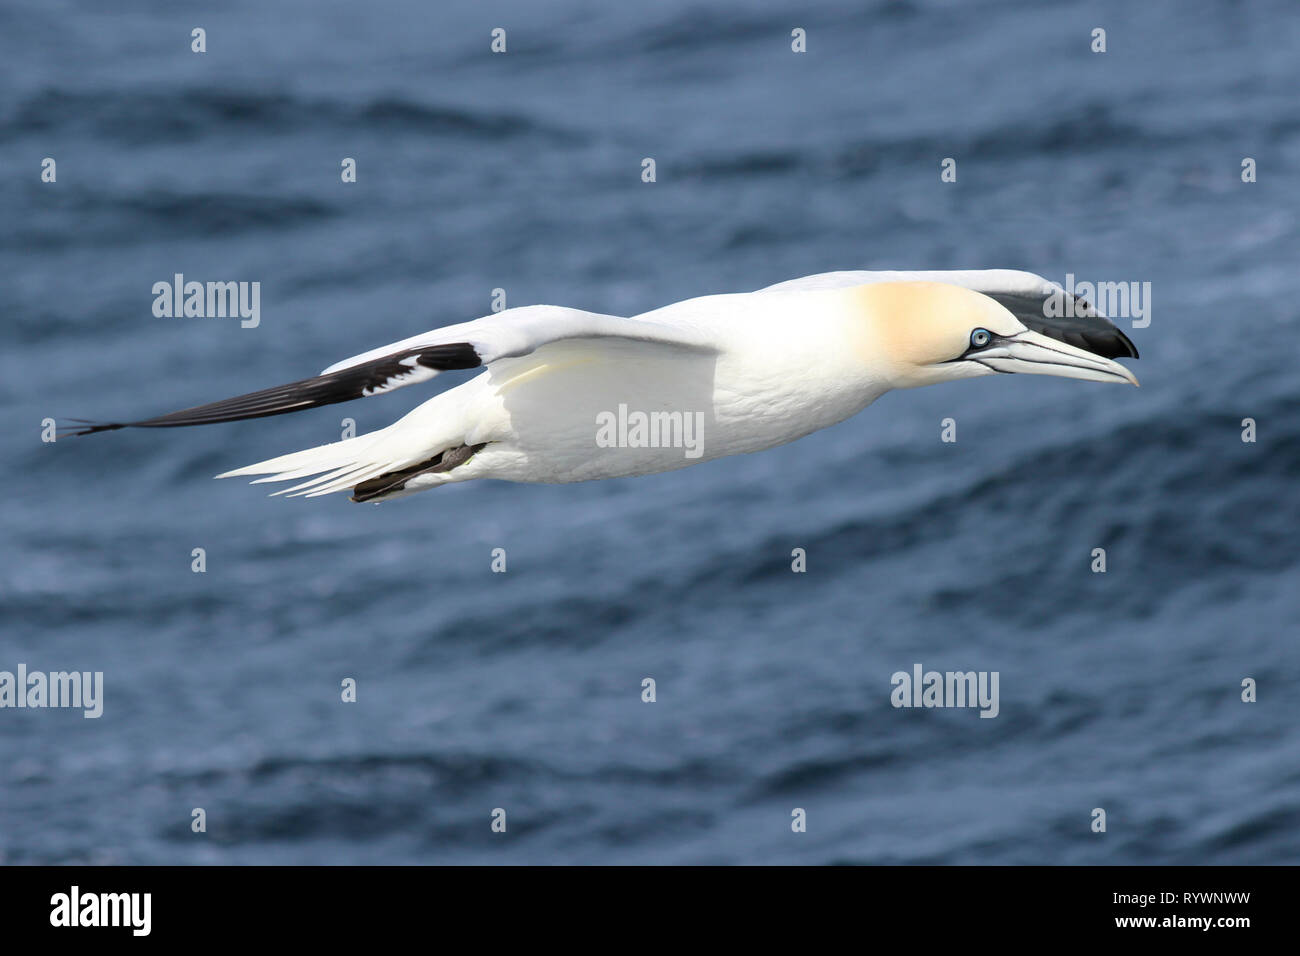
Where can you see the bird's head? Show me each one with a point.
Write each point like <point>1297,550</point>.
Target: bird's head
<point>931,332</point>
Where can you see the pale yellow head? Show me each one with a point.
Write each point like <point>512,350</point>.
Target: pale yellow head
<point>923,333</point>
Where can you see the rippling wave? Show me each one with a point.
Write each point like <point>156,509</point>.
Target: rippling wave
<point>523,690</point>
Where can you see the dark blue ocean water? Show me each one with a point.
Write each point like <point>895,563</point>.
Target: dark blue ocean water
<point>522,690</point>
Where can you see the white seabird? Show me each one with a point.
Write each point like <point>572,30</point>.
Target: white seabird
<point>752,370</point>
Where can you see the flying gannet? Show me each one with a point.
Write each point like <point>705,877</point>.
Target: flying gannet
<point>726,373</point>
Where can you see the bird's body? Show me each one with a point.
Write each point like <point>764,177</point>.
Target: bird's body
<point>573,396</point>
<point>538,414</point>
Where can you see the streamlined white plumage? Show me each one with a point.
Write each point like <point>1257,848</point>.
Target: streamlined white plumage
<point>566,395</point>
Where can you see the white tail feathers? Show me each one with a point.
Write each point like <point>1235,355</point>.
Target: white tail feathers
<point>424,432</point>
<point>309,461</point>
<point>339,466</point>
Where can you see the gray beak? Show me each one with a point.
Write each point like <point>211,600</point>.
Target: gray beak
<point>1033,353</point>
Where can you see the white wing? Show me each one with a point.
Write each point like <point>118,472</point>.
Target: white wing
<point>520,331</point>
<point>421,357</point>
<point>1001,281</point>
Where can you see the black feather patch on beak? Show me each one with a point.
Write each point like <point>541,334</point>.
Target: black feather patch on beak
<point>1085,329</point>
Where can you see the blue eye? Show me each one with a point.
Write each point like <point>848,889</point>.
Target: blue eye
<point>980,338</point>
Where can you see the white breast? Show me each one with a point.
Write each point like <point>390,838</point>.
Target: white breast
<point>782,371</point>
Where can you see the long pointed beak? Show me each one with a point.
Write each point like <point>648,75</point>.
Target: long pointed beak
<point>1032,353</point>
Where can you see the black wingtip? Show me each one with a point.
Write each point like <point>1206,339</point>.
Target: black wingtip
<point>354,381</point>
<point>1083,328</point>
<point>1108,342</point>
<point>85,427</point>
<point>1128,344</point>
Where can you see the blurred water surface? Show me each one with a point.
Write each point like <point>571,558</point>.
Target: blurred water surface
<point>522,690</point>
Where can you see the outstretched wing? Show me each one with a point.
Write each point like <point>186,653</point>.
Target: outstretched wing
<point>466,345</point>
<point>1024,294</point>
<point>357,381</point>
